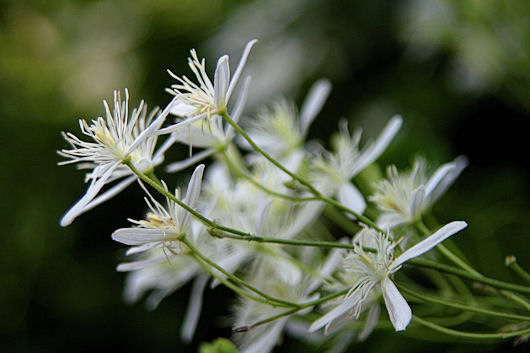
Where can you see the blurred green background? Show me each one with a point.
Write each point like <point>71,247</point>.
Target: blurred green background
<point>457,71</point>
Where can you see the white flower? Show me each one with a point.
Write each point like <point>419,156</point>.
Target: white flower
<point>114,139</point>
<point>372,274</point>
<point>213,135</point>
<point>280,130</point>
<point>334,171</point>
<point>206,98</point>
<point>164,227</point>
<point>403,197</point>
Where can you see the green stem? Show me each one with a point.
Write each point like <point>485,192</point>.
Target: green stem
<point>473,335</point>
<point>512,264</point>
<point>172,197</point>
<point>452,304</point>
<point>447,253</point>
<point>229,284</point>
<point>465,274</point>
<point>310,187</point>
<point>235,279</point>
<point>519,300</point>
<point>322,244</point>
<point>256,183</point>
<point>292,311</point>
<point>268,157</point>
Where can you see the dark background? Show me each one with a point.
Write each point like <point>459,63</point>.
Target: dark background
<point>458,73</point>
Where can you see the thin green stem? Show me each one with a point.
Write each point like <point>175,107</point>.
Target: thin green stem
<point>256,183</point>
<point>310,187</point>
<point>465,274</point>
<point>172,197</point>
<point>292,311</point>
<point>268,157</point>
<point>229,284</point>
<point>447,253</point>
<point>519,300</point>
<point>472,335</point>
<point>321,244</point>
<point>511,263</point>
<point>453,304</point>
<point>280,302</point>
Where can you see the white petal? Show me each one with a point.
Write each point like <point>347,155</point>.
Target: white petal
<point>429,243</point>
<point>175,127</point>
<point>192,194</point>
<point>138,236</point>
<point>440,186</point>
<point>335,313</point>
<point>221,80</point>
<point>416,202</point>
<point>240,67</point>
<point>95,186</point>
<point>379,146</point>
<point>182,109</point>
<point>350,197</point>
<point>180,165</point>
<point>265,342</point>
<point>398,309</point>
<point>198,136</point>
<point>238,108</point>
<point>116,189</point>
<point>194,308</point>
<point>152,127</point>
<point>194,186</point>
<point>313,103</point>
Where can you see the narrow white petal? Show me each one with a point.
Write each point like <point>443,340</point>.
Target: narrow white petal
<point>180,165</point>
<point>172,128</point>
<point>221,81</point>
<point>334,313</point>
<point>116,189</point>
<point>241,101</point>
<point>138,236</point>
<point>429,243</point>
<point>379,146</point>
<point>438,176</point>
<point>313,103</point>
<point>95,186</point>
<point>240,67</point>
<point>152,127</point>
<point>459,164</point>
<point>194,186</point>
<point>266,341</point>
<point>398,309</point>
<point>417,198</point>
<point>194,308</point>
<point>351,197</point>
<point>182,109</point>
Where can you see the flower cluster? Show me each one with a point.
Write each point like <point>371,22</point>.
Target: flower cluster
<point>253,219</point>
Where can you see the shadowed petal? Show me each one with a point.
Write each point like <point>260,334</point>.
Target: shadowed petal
<point>398,309</point>
<point>313,103</point>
